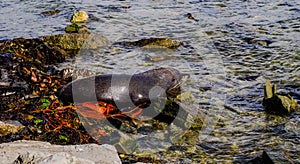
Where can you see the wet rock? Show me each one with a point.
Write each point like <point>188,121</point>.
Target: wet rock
<point>79,17</point>
<point>75,41</point>
<point>50,12</point>
<point>264,158</point>
<point>75,73</point>
<point>261,42</point>
<point>220,5</point>
<point>153,43</point>
<point>6,66</point>
<point>186,97</point>
<point>44,152</point>
<point>191,17</point>
<point>258,41</point>
<point>126,144</point>
<point>275,103</point>
<point>10,127</point>
<point>270,157</point>
<point>75,28</point>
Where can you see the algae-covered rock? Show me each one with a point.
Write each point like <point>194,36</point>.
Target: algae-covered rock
<point>186,97</point>
<point>50,12</point>
<point>75,28</point>
<point>75,41</point>
<point>153,43</point>
<point>278,103</point>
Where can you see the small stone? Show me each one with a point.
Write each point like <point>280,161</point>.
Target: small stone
<point>10,127</point>
<point>79,17</point>
<point>191,17</point>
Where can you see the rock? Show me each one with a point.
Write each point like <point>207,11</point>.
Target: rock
<point>50,12</point>
<point>75,73</point>
<point>270,157</point>
<point>126,144</point>
<point>261,42</point>
<point>62,158</point>
<point>186,97</point>
<point>191,17</point>
<point>275,103</point>
<point>153,43</point>
<point>6,66</point>
<point>43,152</point>
<point>10,127</point>
<point>75,41</point>
<point>75,28</point>
<point>79,17</point>
<point>264,158</point>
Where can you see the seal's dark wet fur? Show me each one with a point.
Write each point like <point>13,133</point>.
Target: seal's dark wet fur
<point>120,89</point>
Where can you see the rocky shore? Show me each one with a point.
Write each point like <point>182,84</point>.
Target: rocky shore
<point>30,110</point>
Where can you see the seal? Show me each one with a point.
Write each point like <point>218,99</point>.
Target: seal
<point>123,90</point>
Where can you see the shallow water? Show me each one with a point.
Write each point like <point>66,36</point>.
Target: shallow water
<point>230,51</point>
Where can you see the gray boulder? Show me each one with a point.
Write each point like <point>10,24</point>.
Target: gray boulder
<point>43,152</point>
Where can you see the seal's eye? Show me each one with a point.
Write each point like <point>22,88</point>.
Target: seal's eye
<point>173,80</point>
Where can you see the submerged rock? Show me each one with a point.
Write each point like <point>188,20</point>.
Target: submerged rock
<point>278,103</point>
<point>44,152</point>
<point>51,12</point>
<point>153,43</point>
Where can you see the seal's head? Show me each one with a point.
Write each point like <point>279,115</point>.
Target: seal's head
<point>168,78</point>
<point>177,79</point>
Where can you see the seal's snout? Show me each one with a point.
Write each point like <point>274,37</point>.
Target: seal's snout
<point>185,77</point>
<point>178,79</point>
